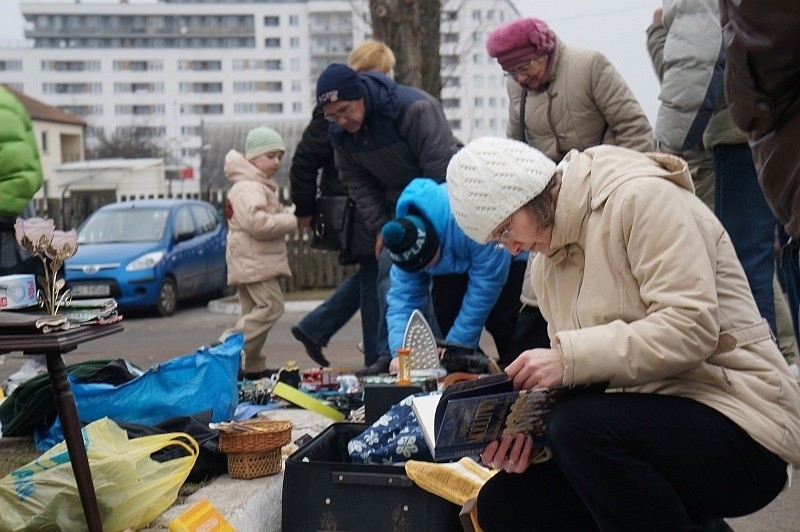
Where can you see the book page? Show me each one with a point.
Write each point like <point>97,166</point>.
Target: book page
<point>424,407</point>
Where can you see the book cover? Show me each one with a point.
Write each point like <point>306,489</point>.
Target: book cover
<point>463,420</point>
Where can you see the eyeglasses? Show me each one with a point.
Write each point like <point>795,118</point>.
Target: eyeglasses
<point>505,236</point>
<point>343,112</point>
<point>524,70</point>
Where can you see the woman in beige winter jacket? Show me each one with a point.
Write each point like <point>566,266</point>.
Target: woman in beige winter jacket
<point>561,98</point>
<point>641,288</point>
<point>256,245</point>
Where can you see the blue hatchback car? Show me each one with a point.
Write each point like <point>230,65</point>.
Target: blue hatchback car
<point>149,254</point>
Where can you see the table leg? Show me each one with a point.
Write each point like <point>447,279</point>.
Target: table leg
<point>68,413</point>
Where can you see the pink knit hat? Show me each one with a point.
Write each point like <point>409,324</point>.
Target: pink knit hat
<point>520,40</point>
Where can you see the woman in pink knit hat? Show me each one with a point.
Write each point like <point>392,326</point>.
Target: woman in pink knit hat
<point>560,99</point>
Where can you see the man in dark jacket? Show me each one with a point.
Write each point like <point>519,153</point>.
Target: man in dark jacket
<point>762,85</point>
<point>315,152</point>
<point>384,135</point>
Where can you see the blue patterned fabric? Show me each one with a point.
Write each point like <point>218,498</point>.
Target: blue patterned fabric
<point>394,439</point>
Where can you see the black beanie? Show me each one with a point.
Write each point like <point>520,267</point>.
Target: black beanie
<point>412,242</point>
<point>339,82</point>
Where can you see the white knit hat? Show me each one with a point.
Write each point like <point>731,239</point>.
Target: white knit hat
<point>490,178</point>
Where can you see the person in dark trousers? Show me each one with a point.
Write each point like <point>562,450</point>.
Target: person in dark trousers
<point>384,135</point>
<point>359,290</point>
<point>641,289</point>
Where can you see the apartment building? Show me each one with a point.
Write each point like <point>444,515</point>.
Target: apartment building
<point>165,69</point>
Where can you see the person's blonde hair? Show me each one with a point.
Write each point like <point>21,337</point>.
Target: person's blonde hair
<point>372,55</point>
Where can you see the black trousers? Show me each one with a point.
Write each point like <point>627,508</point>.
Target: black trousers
<point>448,293</point>
<point>634,462</point>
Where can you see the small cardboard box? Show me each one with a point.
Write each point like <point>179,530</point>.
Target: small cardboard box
<point>201,516</point>
<point>17,291</point>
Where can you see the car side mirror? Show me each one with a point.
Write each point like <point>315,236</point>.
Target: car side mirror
<point>184,236</point>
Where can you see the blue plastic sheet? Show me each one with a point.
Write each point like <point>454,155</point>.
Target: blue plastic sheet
<point>182,386</point>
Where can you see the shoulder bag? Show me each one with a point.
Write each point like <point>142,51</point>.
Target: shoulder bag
<point>333,224</point>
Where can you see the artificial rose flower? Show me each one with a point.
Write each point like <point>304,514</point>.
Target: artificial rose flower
<point>63,245</point>
<point>34,234</point>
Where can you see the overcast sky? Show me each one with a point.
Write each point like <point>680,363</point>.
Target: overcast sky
<point>614,27</point>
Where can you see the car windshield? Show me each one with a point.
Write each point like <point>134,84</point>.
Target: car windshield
<point>124,225</point>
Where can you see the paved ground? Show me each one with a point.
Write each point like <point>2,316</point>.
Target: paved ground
<point>254,505</point>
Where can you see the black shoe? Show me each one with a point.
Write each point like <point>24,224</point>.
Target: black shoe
<point>381,365</point>
<point>313,350</point>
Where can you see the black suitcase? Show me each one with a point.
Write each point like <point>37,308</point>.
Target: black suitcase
<point>323,490</point>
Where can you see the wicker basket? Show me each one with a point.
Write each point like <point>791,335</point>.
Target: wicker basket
<point>254,436</point>
<point>253,465</point>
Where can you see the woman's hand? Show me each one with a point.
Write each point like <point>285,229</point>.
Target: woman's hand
<point>511,454</point>
<point>536,368</point>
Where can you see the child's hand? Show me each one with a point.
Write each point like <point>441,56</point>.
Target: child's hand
<point>289,209</point>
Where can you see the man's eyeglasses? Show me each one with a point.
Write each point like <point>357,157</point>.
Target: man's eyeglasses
<point>524,70</point>
<point>341,113</point>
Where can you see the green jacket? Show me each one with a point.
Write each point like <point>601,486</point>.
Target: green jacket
<point>20,167</point>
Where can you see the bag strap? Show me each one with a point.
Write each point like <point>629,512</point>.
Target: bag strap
<point>522,102</point>
<point>147,445</point>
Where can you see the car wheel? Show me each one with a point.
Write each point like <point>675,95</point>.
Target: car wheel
<point>167,297</point>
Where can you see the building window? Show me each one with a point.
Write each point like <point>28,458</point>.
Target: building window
<point>294,42</point>
<point>449,61</point>
<point>297,107</point>
<point>44,142</point>
<point>479,123</point>
<point>297,85</point>
<point>449,37</point>
<point>139,66</point>
<point>479,101</point>
<point>11,65</point>
<point>71,88</point>
<point>257,86</point>
<point>295,65</point>
<point>71,66</point>
<point>451,81</point>
<point>294,20</point>
<point>249,108</point>
<point>272,21</point>
<point>82,110</point>
<point>493,102</point>
<point>200,66</point>
<point>476,14</point>
<point>200,88</point>
<point>454,124</point>
<point>272,42</point>
<point>190,131</point>
<point>451,103</point>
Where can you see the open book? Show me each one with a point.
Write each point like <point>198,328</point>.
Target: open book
<point>467,416</point>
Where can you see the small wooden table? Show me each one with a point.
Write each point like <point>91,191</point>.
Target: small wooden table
<point>53,345</point>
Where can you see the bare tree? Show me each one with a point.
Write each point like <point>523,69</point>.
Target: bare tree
<point>411,29</point>
<point>126,143</point>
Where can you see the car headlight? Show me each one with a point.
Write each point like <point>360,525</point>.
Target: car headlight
<point>150,260</point>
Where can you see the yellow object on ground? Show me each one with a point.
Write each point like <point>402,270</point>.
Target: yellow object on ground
<point>202,515</point>
<point>456,482</point>
<point>303,400</point>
